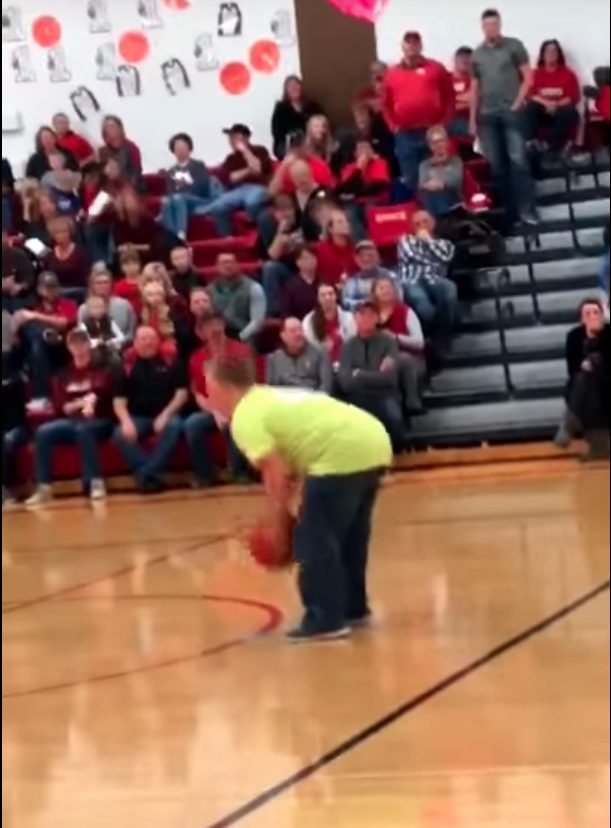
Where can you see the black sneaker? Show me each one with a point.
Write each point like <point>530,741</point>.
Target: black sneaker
<point>301,635</point>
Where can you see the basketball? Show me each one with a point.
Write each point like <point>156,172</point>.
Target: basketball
<point>270,541</point>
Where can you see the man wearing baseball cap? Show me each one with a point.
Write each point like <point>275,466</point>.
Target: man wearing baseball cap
<point>418,94</point>
<point>246,173</point>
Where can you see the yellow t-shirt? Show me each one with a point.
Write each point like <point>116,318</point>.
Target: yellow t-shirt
<point>314,434</point>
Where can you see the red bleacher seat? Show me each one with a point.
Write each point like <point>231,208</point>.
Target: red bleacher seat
<point>156,184</point>
<point>205,253</point>
<point>386,225</point>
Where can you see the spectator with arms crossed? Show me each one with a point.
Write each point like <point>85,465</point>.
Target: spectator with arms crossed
<point>298,364</point>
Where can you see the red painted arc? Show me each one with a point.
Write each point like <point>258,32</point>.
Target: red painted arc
<point>273,618</point>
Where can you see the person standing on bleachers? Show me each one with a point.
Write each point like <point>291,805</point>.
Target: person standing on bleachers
<point>502,80</point>
<point>418,94</point>
<point>588,397</point>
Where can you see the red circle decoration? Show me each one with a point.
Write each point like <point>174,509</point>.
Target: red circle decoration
<point>265,56</point>
<point>235,78</point>
<point>178,5</point>
<point>47,31</point>
<point>134,46</point>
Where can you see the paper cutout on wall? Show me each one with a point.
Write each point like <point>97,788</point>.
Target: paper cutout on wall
<point>12,25</point>
<point>56,65</point>
<point>230,20</point>
<point>134,46</point>
<point>264,56</point>
<point>283,28</point>
<point>99,17</point>
<point>365,9</point>
<point>85,104</point>
<point>175,76</point>
<point>148,12</point>
<point>46,31</point>
<point>129,82</point>
<point>22,65</point>
<point>106,62</point>
<point>206,59</point>
<point>178,5</point>
<point>235,78</point>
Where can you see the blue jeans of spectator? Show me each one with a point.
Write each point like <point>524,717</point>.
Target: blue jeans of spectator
<point>275,276</point>
<point>503,138</point>
<point>436,303</point>
<point>11,442</point>
<point>197,428</point>
<point>38,358</point>
<point>177,209</point>
<point>147,466</point>
<point>411,151</point>
<point>558,127</point>
<point>459,127</point>
<point>7,214</point>
<point>385,406</point>
<point>249,197</point>
<point>84,434</point>
<point>332,548</point>
<point>97,237</point>
<point>439,202</point>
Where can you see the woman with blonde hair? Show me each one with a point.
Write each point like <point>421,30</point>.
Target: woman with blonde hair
<point>157,314</point>
<point>319,139</point>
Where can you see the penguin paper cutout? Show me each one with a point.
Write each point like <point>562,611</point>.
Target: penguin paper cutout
<point>175,76</point>
<point>230,20</point>
<point>56,65</point>
<point>148,12</point>
<point>283,29</point>
<point>99,18</point>
<point>106,62</point>
<point>129,84</point>
<point>12,25</point>
<point>22,65</point>
<point>206,59</point>
<point>85,104</point>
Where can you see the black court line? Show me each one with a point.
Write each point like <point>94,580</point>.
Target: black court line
<point>267,797</point>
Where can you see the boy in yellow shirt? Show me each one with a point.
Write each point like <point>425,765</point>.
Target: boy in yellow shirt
<point>341,454</point>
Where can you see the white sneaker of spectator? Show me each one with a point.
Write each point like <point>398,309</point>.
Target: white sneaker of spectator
<point>41,496</point>
<point>97,491</point>
<point>39,406</point>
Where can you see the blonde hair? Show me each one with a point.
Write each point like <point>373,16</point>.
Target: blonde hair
<point>157,272</point>
<point>325,149</point>
<point>159,318</point>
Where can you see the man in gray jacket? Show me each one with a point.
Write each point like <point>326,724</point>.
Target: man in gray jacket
<point>369,373</point>
<point>298,364</point>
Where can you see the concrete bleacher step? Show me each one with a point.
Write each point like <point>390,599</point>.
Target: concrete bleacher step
<point>489,422</point>
<point>473,349</point>
<point>536,379</point>
<point>552,305</point>
<point>580,210</point>
<point>547,244</point>
<point>467,386</point>
<point>578,188</point>
<point>537,343</point>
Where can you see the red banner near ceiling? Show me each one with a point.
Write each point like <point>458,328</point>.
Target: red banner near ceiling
<point>365,9</point>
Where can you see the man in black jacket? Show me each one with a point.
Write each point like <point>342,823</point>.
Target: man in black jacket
<point>14,419</point>
<point>588,353</point>
<point>18,277</point>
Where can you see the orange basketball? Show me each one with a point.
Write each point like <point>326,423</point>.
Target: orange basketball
<point>270,542</point>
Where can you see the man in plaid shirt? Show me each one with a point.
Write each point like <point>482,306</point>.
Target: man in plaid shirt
<point>424,263</point>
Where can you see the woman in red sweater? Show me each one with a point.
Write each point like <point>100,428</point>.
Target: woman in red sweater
<point>337,252</point>
<point>68,260</point>
<point>552,110</point>
<point>402,323</point>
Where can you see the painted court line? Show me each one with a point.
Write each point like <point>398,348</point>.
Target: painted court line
<point>269,796</point>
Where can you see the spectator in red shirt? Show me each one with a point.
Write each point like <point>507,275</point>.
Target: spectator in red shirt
<point>329,326</point>
<point>71,141</point>
<point>126,153</point>
<point>337,252</point>
<point>366,180</point>
<point>68,260</point>
<point>283,179</point>
<point>299,295</point>
<point>373,95</point>
<point>43,331</point>
<point>200,425</point>
<point>46,147</point>
<point>462,78</point>
<point>128,287</point>
<point>368,126</point>
<point>603,103</point>
<point>246,173</point>
<point>418,94</point>
<point>555,94</point>
<point>82,403</point>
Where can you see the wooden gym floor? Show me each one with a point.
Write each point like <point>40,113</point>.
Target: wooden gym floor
<point>145,683</point>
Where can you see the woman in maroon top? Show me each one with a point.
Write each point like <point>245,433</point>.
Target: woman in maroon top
<point>83,407</point>
<point>329,326</point>
<point>133,227</point>
<point>337,252</point>
<point>552,112</point>
<point>402,323</point>
<point>68,260</point>
<point>118,146</point>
